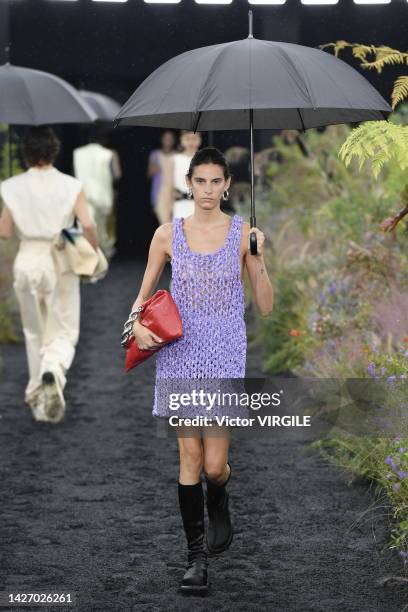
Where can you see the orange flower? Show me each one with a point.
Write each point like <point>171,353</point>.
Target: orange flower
<point>406,339</point>
<point>294,332</point>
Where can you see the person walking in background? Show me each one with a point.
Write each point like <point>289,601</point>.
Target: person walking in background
<point>157,159</point>
<point>239,160</point>
<point>174,197</point>
<point>38,204</point>
<point>97,167</point>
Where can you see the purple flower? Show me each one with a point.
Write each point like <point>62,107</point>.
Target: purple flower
<point>371,368</point>
<point>402,474</point>
<point>394,463</point>
<point>390,379</point>
<point>401,449</point>
<point>383,370</point>
<point>389,460</point>
<point>403,554</point>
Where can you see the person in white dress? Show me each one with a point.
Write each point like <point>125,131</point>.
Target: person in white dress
<point>97,166</point>
<point>157,159</point>
<point>37,205</point>
<point>173,196</point>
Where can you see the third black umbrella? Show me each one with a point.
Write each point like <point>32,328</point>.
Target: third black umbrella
<point>34,97</point>
<point>253,84</point>
<point>105,107</point>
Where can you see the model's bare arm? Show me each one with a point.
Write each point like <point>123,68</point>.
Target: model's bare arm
<point>152,167</point>
<point>156,261</point>
<point>82,212</point>
<point>116,166</point>
<point>6,223</point>
<point>166,192</point>
<point>258,274</point>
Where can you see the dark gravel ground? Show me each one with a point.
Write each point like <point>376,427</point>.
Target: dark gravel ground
<point>90,505</point>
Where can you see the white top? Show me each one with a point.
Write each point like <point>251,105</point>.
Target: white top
<point>93,167</point>
<point>41,201</point>
<point>181,166</point>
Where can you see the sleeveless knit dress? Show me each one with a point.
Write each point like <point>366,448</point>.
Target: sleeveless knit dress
<point>209,295</point>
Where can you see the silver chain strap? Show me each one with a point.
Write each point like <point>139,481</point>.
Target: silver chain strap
<point>128,326</point>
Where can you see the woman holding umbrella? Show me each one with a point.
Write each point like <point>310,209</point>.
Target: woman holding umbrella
<point>208,251</point>
<point>38,204</point>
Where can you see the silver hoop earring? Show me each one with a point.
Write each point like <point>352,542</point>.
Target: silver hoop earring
<point>190,194</point>
<point>225,195</point>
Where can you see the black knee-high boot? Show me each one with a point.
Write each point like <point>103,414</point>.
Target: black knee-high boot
<point>191,500</point>
<point>220,531</point>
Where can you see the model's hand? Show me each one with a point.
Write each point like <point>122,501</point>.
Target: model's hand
<point>260,239</point>
<point>145,339</point>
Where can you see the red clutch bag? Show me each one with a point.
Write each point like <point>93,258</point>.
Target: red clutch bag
<point>159,314</point>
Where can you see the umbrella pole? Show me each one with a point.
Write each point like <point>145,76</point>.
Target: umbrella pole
<point>9,151</point>
<point>252,236</point>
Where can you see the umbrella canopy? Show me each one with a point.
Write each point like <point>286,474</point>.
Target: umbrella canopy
<point>253,84</point>
<point>105,107</point>
<point>33,97</point>
<point>288,86</point>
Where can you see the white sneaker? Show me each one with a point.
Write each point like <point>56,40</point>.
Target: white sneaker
<point>36,403</point>
<point>54,402</point>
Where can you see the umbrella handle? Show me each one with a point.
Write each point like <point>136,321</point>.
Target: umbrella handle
<point>252,238</point>
<point>252,243</point>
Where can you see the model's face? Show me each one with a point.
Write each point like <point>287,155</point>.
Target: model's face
<point>167,141</point>
<point>208,185</point>
<point>191,142</point>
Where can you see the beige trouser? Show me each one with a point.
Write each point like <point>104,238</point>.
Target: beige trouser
<point>100,218</point>
<point>50,311</point>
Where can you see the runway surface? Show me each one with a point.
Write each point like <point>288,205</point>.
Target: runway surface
<point>90,505</point>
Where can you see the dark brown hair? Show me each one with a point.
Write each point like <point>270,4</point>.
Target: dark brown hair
<point>209,155</point>
<point>40,144</point>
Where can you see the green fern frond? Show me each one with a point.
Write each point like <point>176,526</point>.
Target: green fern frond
<point>379,159</point>
<point>378,141</point>
<point>400,91</point>
<point>383,55</point>
<point>338,46</point>
<point>360,52</point>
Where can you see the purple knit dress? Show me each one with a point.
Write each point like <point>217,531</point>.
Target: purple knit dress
<point>209,295</point>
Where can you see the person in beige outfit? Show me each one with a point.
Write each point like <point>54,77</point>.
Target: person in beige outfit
<point>38,204</point>
<point>97,167</point>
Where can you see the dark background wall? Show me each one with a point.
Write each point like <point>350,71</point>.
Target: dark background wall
<point>112,47</point>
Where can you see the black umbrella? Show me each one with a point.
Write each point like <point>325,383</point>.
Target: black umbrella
<point>105,107</point>
<point>33,97</point>
<point>253,84</point>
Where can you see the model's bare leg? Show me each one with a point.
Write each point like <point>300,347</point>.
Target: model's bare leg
<point>191,454</point>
